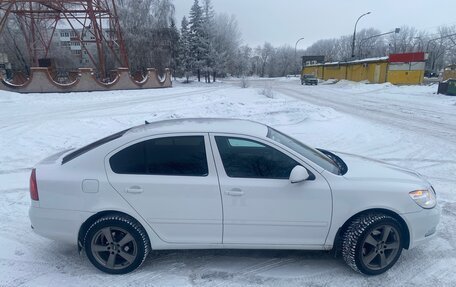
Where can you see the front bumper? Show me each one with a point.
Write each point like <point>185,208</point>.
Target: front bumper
<point>57,224</point>
<point>422,225</point>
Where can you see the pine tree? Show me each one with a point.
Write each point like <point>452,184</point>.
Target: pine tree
<point>185,59</point>
<point>198,42</point>
<point>202,38</point>
<point>174,41</point>
<point>209,34</point>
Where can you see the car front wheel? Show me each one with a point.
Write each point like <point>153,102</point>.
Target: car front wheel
<point>372,243</point>
<point>116,244</point>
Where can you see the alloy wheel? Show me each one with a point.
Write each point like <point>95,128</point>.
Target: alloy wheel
<point>380,247</point>
<point>114,248</point>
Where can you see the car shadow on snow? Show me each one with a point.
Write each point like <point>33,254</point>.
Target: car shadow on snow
<point>230,263</point>
<point>208,264</point>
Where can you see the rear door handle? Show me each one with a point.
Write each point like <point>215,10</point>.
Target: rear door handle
<point>134,189</point>
<point>234,192</point>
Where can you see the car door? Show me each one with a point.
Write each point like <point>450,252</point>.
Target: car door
<point>260,204</point>
<point>172,182</point>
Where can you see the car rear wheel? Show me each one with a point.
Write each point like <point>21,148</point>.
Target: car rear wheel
<point>372,243</point>
<point>116,244</point>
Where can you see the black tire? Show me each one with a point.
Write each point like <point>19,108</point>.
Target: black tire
<point>116,244</point>
<point>372,243</point>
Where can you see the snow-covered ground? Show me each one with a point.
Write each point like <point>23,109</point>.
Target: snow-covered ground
<point>407,126</point>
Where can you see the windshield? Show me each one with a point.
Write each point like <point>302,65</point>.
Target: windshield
<point>311,154</point>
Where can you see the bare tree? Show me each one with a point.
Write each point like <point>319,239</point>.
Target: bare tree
<point>441,48</point>
<point>149,33</point>
<point>264,56</point>
<point>226,42</point>
<point>13,44</point>
<point>243,66</point>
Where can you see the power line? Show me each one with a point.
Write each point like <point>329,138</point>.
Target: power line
<point>437,26</point>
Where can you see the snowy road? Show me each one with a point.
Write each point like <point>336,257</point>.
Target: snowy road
<point>407,126</point>
<point>416,113</point>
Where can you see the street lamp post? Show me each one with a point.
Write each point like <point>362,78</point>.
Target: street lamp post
<point>296,55</point>
<point>354,33</point>
<point>363,41</point>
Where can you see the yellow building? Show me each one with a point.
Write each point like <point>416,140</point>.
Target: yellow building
<point>373,70</point>
<point>334,71</point>
<point>399,69</point>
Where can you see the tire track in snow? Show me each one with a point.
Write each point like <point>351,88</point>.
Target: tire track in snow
<point>258,268</point>
<point>277,262</point>
<point>421,125</point>
<point>95,106</point>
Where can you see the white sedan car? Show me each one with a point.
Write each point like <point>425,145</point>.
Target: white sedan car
<point>226,183</point>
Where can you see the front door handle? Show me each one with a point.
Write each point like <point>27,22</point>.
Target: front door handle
<point>234,192</point>
<point>134,189</point>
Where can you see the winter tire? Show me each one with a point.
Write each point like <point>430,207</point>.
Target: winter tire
<point>116,244</point>
<point>372,243</point>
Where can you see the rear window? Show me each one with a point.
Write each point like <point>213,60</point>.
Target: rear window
<point>91,146</point>
<point>175,156</point>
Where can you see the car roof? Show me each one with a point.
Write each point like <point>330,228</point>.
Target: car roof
<point>198,125</point>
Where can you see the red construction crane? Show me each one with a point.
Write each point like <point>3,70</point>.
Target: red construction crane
<point>91,22</point>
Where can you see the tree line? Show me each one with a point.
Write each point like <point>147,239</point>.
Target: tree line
<point>441,46</point>
<point>209,45</point>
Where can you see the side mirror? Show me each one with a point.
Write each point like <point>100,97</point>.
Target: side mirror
<point>299,174</point>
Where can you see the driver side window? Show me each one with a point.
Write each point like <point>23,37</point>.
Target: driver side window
<point>245,158</point>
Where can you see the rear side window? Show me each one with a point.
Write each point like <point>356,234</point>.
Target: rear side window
<point>244,158</point>
<point>178,156</point>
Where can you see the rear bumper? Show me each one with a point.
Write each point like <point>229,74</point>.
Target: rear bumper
<point>57,224</point>
<point>422,225</point>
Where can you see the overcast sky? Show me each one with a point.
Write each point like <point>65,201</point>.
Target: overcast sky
<point>283,22</point>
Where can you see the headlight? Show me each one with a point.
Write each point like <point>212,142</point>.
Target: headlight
<point>425,198</point>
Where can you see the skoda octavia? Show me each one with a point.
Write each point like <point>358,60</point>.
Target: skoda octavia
<point>227,183</point>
